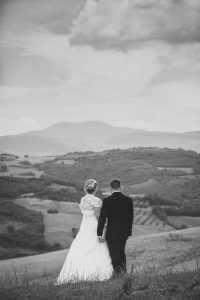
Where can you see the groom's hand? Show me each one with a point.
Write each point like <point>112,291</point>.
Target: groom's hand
<point>101,239</point>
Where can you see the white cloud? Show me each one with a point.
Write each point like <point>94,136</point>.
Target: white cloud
<point>26,16</point>
<point>153,86</point>
<point>11,92</point>
<point>140,88</point>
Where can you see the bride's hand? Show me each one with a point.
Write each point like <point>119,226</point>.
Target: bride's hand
<point>101,239</point>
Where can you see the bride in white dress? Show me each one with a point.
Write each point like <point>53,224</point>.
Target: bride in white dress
<point>87,259</point>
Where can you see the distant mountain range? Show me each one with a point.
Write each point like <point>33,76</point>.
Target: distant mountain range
<point>95,136</point>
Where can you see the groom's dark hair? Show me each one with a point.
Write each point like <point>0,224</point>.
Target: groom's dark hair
<point>115,184</point>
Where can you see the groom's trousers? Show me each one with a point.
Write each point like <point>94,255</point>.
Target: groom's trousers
<point>117,254</point>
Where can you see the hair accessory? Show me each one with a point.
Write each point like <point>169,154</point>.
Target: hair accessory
<point>90,184</point>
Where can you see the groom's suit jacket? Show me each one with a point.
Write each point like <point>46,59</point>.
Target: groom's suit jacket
<point>118,210</point>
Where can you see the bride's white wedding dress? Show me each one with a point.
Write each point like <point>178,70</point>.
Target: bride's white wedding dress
<point>87,259</point>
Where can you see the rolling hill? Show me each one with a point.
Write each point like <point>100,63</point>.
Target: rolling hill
<point>66,137</point>
<point>179,249</point>
<point>58,227</point>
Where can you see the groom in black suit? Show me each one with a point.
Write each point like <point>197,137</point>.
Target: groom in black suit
<point>117,209</point>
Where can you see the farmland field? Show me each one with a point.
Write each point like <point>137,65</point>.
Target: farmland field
<point>152,176</point>
<point>185,170</point>
<point>17,171</point>
<point>183,220</point>
<point>172,174</point>
<point>58,227</point>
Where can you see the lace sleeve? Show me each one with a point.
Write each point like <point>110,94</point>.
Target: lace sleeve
<point>84,205</point>
<point>96,202</point>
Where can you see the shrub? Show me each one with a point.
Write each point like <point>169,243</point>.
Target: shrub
<point>10,228</point>
<point>56,246</point>
<point>183,211</point>
<point>25,163</point>
<point>183,226</point>
<point>157,210</point>
<point>29,237</point>
<point>27,174</point>
<point>12,187</point>
<point>59,195</point>
<point>155,200</point>
<point>43,245</point>
<point>74,232</point>
<point>3,168</point>
<point>52,211</point>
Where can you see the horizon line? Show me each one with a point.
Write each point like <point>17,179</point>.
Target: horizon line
<point>101,122</point>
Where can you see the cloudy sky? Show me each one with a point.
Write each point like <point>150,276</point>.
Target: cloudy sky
<point>132,63</point>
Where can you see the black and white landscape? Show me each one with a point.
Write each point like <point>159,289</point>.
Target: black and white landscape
<point>93,136</point>
<point>99,89</point>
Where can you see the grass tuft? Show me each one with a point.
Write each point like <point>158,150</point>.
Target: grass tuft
<point>138,286</point>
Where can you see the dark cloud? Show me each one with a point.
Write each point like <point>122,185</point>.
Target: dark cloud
<point>21,22</point>
<point>54,15</point>
<point>127,23</point>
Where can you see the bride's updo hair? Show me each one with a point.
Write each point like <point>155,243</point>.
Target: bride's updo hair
<point>90,186</point>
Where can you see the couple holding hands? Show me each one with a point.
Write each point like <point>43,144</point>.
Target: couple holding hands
<point>98,251</point>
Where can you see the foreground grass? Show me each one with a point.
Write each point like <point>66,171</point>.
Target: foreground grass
<point>137,285</point>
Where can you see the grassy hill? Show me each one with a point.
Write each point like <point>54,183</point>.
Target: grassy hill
<point>23,230</point>
<point>160,250</point>
<point>58,226</point>
<point>170,173</point>
<point>165,250</point>
<point>157,179</point>
<point>167,178</point>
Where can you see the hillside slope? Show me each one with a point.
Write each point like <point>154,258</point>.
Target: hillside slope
<point>165,250</point>
<point>180,249</point>
<point>58,227</point>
